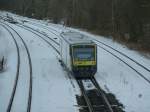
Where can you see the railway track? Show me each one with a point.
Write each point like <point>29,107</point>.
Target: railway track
<point>43,34</point>
<point>103,106</point>
<point>97,103</point>
<point>142,66</point>
<point>140,74</point>
<point>17,73</point>
<point>121,53</point>
<point>6,26</point>
<point>113,54</point>
<point>38,34</point>
<point>46,28</point>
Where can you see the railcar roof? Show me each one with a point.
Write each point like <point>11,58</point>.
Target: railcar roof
<point>76,38</point>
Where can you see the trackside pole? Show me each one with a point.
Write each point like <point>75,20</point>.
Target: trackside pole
<point>2,62</point>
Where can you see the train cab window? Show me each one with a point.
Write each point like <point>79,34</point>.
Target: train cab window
<point>80,54</point>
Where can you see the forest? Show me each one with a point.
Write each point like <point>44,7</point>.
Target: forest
<point>127,21</point>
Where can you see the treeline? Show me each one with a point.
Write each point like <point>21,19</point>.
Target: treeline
<point>127,20</point>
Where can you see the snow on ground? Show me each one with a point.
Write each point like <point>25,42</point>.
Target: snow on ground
<point>51,89</point>
<point>54,88</point>
<point>116,77</point>
<point>120,80</point>
<point>51,35</point>
<point>8,50</point>
<point>131,53</point>
<point>24,77</point>
<point>4,50</point>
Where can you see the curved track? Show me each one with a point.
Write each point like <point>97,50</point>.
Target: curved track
<point>17,73</point>
<point>134,69</point>
<point>141,75</point>
<point>123,54</point>
<point>30,66</point>
<point>37,33</point>
<point>47,28</point>
<point>43,34</point>
<point>99,91</point>
<point>147,69</point>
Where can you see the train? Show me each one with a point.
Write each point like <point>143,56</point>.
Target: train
<point>78,54</point>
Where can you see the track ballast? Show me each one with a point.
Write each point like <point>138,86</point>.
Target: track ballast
<point>96,100</point>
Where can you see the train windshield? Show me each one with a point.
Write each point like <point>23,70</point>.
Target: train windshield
<point>81,54</point>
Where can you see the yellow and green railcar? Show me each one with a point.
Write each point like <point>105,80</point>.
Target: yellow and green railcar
<point>79,54</point>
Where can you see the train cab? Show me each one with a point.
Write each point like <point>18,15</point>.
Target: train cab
<point>79,54</point>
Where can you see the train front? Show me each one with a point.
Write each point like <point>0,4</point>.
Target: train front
<point>84,60</point>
